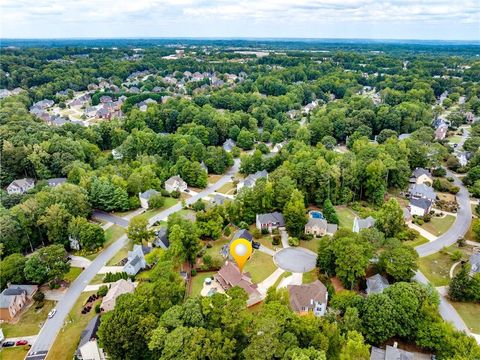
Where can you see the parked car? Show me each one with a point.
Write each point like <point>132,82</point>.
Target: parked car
<point>8,344</point>
<point>187,190</point>
<point>22,342</point>
<point>52,313</point>
<point>255,245</point>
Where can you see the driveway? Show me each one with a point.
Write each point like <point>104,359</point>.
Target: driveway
<point>284,237</point>
<point>102,215</point>
<point>294,279</point>
<point>79,261</point>
<point>295,260</point>
<point>269,281</point>
<point>459,227</point>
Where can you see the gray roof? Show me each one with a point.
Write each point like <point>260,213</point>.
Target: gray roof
<point>271,218</point>
<point>220,199</point>
<point>56,181</point>
<point>332,228</point>
<point>251,179</point>
<point>365,223</point>
<point>23,182</point>
<point>88,333</point>
<point>376,284</point>
<point>148,194</point>
<point>243,234</point>
<point>161,238</point>
<point>421,203</point>
<point>321,223</point>
<point>423,191</point>
<point>228,144</point>
<point>421,171</point>
<point>134,261</point>
<point>7,295</point>
<point>475,263</point>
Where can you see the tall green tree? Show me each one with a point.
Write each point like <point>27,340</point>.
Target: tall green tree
<point>294,213</point>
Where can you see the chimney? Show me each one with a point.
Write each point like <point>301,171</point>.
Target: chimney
<point>395,344</point>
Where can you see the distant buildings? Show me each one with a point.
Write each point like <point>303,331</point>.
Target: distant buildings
<point>360,224</point>
<point>56,181</point>
<point>320,227</point>
<point>270,221</point>
<point>251,179</point>
<point>20,186</point>
<point>307,298</point>
<point>175,183</point>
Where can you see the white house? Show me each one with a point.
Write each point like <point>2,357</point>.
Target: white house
<point>175,183</point>
<point>136,259</point>
<point>360,224</point>
<point>420,207</point>
<point>145,197</point>
<point>20,186</point>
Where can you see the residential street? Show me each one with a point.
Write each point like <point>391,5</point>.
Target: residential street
<point>102,215</point>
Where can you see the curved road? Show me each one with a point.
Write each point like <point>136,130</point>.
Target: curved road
<point>52,326</point>
<point>459,227</point>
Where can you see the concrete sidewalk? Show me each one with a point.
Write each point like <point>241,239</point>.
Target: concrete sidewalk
<point>294,279</point>
<point>269,281</point>
<point>424,233</point>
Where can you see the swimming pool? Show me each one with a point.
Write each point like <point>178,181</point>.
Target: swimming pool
<point>316,214</point>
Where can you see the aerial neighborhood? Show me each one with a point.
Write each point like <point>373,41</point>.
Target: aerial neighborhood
<point>130,169</point>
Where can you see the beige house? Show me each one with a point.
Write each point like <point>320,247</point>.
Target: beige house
<point>14,298</point>
<point>309,298</point>
<point>118,288</point>
<point>175,183</point>
<point>319,227</point>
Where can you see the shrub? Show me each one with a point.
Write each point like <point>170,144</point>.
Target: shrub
<point>439,172</point>
<point>102,291</point>
<point>276,240</point>
<point>97,309</point>
<point>175,194</point>
<point>227,231</point>
<point>257,234</point>
<point>461,242</point>
<point>427,218</point>
<point>38,296</point>
<point>164,193</point>
<point>39,305</point>
<point>293,241</point>
<point>420,222</point>
<point>134,202</point>
<point>456,255</point>
<point>112,277</point>
<point>156,201</point>
<point>243,225</point>
<point>264,231</point>
<point>194,272</point>
<point>199,205</point>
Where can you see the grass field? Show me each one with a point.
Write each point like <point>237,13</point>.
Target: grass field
<point>169,202</point>
<point>260,266</point>
<point>310,244</point>
<point>436,268</point>
<point>72,274</point>
<point>470,313</point>
<point>197,282</point>
<point>30,322</point>
<point>310,276</point>
<point>122,253</point>
<point>228,189</point>
<point>346,216</point>
<point>212,178</point>
<point>67,339</point>
<point>13,353</point>
<point>418,241</point>
<point>437,226</point>
<point>97,279</point>
<point>214,251</point>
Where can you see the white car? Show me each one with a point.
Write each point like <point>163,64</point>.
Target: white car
<point>52,313</point>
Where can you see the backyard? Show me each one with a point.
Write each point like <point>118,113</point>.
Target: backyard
<point>470,313</point>
<point>439,225</point>
<point>67,339</point>
<point>197,282</point>
<point>30,322</point>
<point>346,216</point>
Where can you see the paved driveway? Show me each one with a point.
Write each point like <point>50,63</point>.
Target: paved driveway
<point>295,260</point>
<point>102,215</point>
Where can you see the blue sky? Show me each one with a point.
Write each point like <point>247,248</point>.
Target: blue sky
<point>377,19</point>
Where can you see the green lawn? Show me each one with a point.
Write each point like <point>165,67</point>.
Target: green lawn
<point>197,282</point>
<point>30,322</point>
<point>346,216</point>
<point>72,274</point>
<point>214,251</point>
<point>281,277</point>
<point>97,279</point>
<point>437,226</point>
<point>112,234</point>
<point>122,253</point>
<point>260,266</point>
<point>13,353</point>
<point>454,139</point>
<point>436,268</point>
<point>67,339</point>
<point>310,276</point>
<point>418,241</point>
<point>470,313</point>
<point>228,189</point>
<point>169,202</point>
<point>310,244</point>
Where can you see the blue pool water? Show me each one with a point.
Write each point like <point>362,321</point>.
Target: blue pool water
<point>316,215</point>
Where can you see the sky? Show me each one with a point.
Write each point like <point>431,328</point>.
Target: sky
<point>365,19</point>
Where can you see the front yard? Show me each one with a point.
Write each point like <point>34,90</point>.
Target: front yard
<point>169,202</point>
<point>439,225</point>
<point>436,268</point>
<point>227,189</point>
<point>72,274</point>
<point>30,322</point>
<point>260,266</point>
<point>470,313</point>
<point>13,353</point>
<point>310,244</point>
<point>420,240</point>
<point>121,254</point>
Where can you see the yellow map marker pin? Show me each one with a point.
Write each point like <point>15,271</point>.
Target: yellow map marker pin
<point>241,249</point>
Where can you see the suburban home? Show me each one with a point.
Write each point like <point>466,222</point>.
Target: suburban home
<point>475,264</point>
<point>56,181</point>
<point>228,145</point>
<point>420,207</point>
<point>320,227</point>
<point>230,276</point>
<point>20,186</point>
<point>309,297</point>
<point>270,221</point>
<point>44,104</point>
<point>470,117</point>
<point>278,147</point>
<point>220,199</point>
<point>421,176</point>
<point>360,224</point>
<point>394,353</point>
<point>242,234</point>
<point>441,132</point>
<point>251,179</point>
<point>404,136</point>
<point>88,347</point>
<point>422,191</point>
<point>407,215</point>
<point>161,238</point>
<point>309,107</point>
<point>14,298</point>
<point>175,183</point>
<point>376,284</point>
<point>145,197</point>
<point>118,288</point>
<point>136,259</point>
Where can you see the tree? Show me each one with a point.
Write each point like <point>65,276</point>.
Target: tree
<point>11,270</point>
<point>245,140</point>
<point>294,213</point>
<point>138,230</point>
<point>156,201</point>
<point>351,259</point>
<point>108,197</point>
<point>378,318</point>
<point>47,264</point>
<point>399,262</point>
<point>56,221</point>
<point>390,218</point>
<point>329,212</point>
<point>476,229</point>
<point>354,347</point>
<point>386,134</point>
<point>183,237</point>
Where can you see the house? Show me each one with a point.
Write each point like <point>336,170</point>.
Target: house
<point>56,181</point>
<point>418,191</point>
<point>20,186</point>
<point>219,199</point>
<point>470,117</point>
<point>242,234</point>
<point>404,136</point>
<point>161,238</point>
<point>307,298</point>
<point>116,154</point>
<point>14,298</point>
<point>145,197</point>
<point>136,259</point>
<point>376,284</point>
<point>278,147</point>
<point>270,221</point>
<point>421,176</point>
<point>44,104</point>
<point>251,179</point>
<point>228,145</point>
<point>320,227</point>
<point>292,114</point>
<point>230,276</point>
<point>394,353</point>
<point>441,132</point>
<point>309,107</point>
<point>475,264</point>
<point>175,183</point>
<point>204,167</point>
<point>420,207</point>
<point>88,347</point>
<point>360,224</point>
<point>118,288</point>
